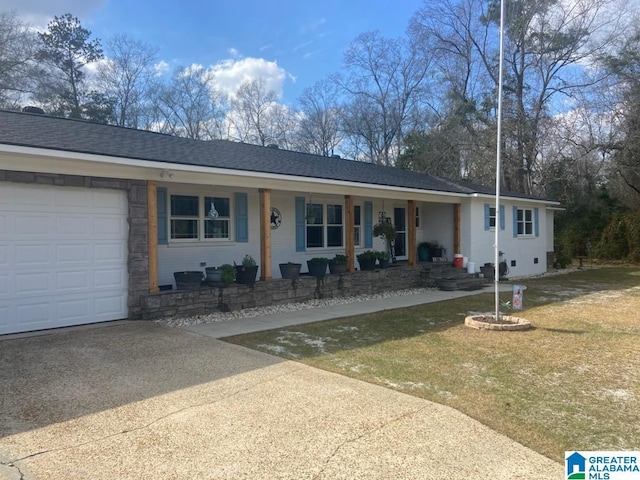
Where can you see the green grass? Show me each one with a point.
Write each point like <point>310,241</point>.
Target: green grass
<point>570,383</point>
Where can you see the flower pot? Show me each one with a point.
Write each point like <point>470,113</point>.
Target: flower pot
<point>384,263</point>
<point>214,274</point>
<point>317,269</point>
<point>337,268</point>
<point>290,270</point>
<point>246,275</point>
<point>423,255</point>
<point>189,280</point>
<point>369,264</point>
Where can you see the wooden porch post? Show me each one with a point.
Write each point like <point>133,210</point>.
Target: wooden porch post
<point>411,232</point>
<point>456,229</point>
<point>265,234</point>
<point>349,234</point>
<point>152,235</point>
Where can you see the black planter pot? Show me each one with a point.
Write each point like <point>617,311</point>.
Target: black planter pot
<point>367,264</point>
<point>189,280</point>
<point>317,269</point>
<point>423,255</point>
<point>290,270</point>
<point>337,268</point>
<point>246,275</point>
<point>384,263</point>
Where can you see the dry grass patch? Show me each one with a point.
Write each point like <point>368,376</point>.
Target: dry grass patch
<point>569,383</point>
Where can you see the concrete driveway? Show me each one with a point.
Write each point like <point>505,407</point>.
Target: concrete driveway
<point>140,401</point>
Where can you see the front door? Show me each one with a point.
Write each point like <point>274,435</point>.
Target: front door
<point>400,222</point>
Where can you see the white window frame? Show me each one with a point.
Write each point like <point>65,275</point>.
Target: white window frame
<point>324,226</point>
<point>202,217</point>
<point>522,222</point>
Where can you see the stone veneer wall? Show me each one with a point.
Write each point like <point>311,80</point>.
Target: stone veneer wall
<point>138,248</point>
<point>279,291</point>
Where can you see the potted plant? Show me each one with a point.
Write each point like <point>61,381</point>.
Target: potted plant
<point>338,264</point>
<point>247,271</point>
<point>290,270</point>
<point>317,266</point>
<point>188,280</point>
<point>213,275</point>
<point>436,250</point>
<point>367,260</point>
<point>228,273</point>
<point>383,259</point>
<point>385,230</point>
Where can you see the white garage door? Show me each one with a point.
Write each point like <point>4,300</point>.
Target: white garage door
<point>63,256</point>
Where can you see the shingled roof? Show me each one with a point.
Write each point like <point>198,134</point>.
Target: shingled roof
<point>42,131</point>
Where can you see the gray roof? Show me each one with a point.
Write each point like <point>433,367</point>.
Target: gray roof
<point>42,131</point>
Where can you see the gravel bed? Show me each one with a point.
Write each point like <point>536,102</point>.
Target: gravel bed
<point>288,307</point>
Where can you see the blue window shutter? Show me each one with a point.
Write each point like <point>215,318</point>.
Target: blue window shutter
<point>163,231</point>
<point>502,218</point>
<point>242,218</point>
<point>536,223</point>
<point>487,215</point>
<point>515,222</point>
<point>300,224</point>
<point>368,225</point>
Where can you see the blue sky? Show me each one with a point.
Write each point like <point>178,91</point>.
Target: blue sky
<point>291,43</point>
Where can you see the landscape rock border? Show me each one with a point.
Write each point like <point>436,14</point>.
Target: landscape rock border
<point>504,323</point>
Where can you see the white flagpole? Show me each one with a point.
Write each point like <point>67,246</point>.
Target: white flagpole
<point>498,161</point>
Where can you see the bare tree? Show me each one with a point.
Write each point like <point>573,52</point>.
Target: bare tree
<point>547,44</point>
<point>17,53</point>
<point>385,81</point>
<point>190,105</point>
<point>319,126</point>
<point>252,113</point>
<point>127,77</point>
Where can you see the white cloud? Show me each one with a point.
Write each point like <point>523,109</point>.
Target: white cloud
<point>161,68</point>
<point>231,73</point>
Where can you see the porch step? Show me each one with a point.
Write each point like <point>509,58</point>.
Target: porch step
<point>447,277</point>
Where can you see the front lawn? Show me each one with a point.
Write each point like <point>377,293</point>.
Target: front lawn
<point>570,383</point>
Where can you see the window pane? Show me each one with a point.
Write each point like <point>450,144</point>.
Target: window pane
<point>184,206</point>
<point>334,214</point>
<point>314,214</point>
<point>356,236</point>
<point>520,228</point>
<point>356,215</point>
<point>314,236</point>
<point>334,236</point>
<point>184,228</point>
<point>528,228</point>
<point>527,215</point>
<point>221,204</point>
<point>520,215</point>
<point>216,229</point>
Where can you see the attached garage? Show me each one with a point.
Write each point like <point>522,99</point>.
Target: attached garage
<point>63,256</point>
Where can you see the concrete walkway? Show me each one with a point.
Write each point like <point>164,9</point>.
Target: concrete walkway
<point>286,319</point>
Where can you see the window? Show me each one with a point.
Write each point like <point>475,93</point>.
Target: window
<point>189,217</point>
<point>219,227</point>
<point>334,225</point>
<point>357,222</point>
<point>185,216</point>
<point>417,217</point>
<point>525,222</point>
<point>492,217</point>
<point>324,230</point>
<point>315,225</point>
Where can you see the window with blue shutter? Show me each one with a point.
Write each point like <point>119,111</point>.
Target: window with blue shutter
<point>502,218</point>
<point>487,216</point>
<point>536,223</point>
<point>163,230</point>
<point>515,222</point>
